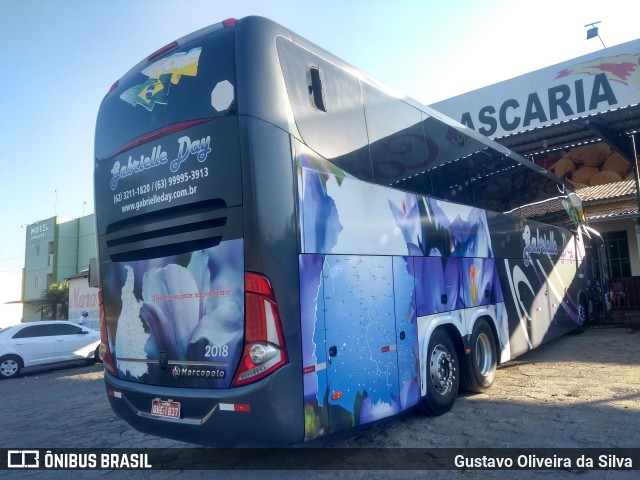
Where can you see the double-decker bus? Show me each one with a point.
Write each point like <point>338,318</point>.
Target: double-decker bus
<point>288,249</point>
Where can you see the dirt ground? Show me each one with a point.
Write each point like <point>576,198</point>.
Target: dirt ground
<point>578,391</point>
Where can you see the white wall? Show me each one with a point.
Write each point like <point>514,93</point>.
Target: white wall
<point>10,291</point>
<point>83,297</point>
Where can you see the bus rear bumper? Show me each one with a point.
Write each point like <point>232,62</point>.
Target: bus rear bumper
<point>266,413</point>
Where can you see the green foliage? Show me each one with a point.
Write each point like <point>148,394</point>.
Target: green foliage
<point>56,299</point>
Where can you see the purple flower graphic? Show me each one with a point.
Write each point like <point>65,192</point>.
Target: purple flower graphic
<point>477,281</point>
<point>407,217</point>
<point>470,235</point>
<point>321,220</point>
<point>172,321</point>
<point>190,308</point>
<point>370,411</point>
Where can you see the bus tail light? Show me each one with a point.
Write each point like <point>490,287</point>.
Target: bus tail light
<point>162,51</point>
<point>264,349</point>
<point>104,352</point>
<point>114,86</point>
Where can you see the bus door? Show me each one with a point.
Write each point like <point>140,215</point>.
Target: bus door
<point>595,261</point>
<point>360,335</point>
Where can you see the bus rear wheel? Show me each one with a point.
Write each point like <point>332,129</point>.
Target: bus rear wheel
<point>481,363</point>
<point>583,315</point>
<point>442,375</point>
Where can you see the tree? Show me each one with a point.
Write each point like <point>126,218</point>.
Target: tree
<point>56,298</point>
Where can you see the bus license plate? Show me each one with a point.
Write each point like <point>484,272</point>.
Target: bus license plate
<point>163,408</point>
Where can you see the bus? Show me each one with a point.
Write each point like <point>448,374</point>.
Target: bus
<point>288,249</point>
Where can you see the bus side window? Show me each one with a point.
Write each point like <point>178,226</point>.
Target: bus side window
<point>315,88</point>
<point>492,180</point>
<point>450,173</point>
<point>400,156</point>
<point>327,108</point>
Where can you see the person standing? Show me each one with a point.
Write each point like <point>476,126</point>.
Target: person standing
<point>83,317</point>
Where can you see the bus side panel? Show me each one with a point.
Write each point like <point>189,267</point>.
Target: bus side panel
<point>563,285</point>
<point>350,341</point>
<point>361,340</point>
<point>537,269</point>
<point>314,353</point>
<point>344,296</point>
<point>270,235</point>
<point>404,288</point>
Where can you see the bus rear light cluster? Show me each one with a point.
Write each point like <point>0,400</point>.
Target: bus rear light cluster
<point>114,86</point>
<point>264,349</point>
<point>162,51</point>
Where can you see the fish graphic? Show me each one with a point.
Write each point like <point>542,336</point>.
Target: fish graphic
<point>624,68</point>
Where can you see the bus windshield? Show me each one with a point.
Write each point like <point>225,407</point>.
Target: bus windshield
<point>167,184</point>
<point>167,91</point>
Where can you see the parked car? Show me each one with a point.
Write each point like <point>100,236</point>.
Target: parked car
<point>40,343</point>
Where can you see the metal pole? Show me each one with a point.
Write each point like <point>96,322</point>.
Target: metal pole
<point>634,152</point>
<point>603,45</point>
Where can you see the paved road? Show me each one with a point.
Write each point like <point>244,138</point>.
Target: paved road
<point>576,392</point>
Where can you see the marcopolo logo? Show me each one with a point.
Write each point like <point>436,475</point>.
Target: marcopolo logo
<point>181,372</point>
<point>537,244</point>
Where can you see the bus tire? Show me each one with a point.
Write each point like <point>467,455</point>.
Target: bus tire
<point>480,364</point>
<point>583,316</point>
<point>94,359</point>
<point>442,376</point>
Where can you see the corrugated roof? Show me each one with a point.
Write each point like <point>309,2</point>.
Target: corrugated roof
<point>601,202</point>
<point>624,211</point>
<point>610,201</point>
<point>609,191</point>
<point>569,133</point>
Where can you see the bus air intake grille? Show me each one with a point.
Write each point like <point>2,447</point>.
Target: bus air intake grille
<point>168,232</point>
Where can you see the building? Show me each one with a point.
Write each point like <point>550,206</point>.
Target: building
<point>56,249</point>
<point>578,119</point>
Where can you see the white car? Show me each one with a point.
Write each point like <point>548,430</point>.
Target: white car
<point>39,343</point>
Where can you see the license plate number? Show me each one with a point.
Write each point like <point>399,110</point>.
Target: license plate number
<point>163,408</point>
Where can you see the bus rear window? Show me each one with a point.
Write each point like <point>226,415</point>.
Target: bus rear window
<point>195,80</point>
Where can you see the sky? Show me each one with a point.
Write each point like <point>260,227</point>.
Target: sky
<point>59,58</point>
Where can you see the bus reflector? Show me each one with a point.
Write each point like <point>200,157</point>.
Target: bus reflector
<point>264,349</point>
<point>114,393</point>
<point>235,407</point>
<point>229,22</point>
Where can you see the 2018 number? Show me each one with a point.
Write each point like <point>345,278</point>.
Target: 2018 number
<point>216,351</point>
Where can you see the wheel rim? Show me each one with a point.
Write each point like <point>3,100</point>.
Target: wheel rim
<point>582,313</point>
<point>8,368</point>
<point>442,370</point>
<point>484,355</point>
